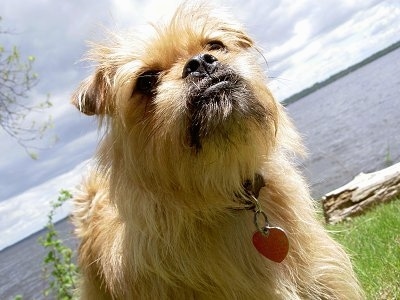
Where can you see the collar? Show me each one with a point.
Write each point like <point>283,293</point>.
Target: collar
<point>251,189</point>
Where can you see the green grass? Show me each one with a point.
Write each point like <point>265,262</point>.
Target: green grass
<point>373,241</point>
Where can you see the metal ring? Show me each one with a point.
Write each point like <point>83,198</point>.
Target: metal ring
<point>266,225</point>
<point>254,200</point>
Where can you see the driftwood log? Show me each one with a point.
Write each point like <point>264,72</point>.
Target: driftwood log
<point>364,191</point>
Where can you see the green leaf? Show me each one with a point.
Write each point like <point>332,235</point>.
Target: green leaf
<point>58,263</point>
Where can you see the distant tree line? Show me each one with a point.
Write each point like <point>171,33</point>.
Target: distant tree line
<point>340,74</point>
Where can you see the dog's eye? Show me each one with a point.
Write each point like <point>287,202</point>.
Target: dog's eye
<point>215,46</point>
<point>147,82</point>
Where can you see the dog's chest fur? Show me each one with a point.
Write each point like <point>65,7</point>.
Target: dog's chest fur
<point>169,254</point>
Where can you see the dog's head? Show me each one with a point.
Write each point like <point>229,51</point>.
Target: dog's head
<point>186,103</point>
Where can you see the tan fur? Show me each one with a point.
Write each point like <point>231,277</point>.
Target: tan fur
<point>155,216</point>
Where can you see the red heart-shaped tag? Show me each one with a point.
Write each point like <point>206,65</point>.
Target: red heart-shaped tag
<point>273,244</point>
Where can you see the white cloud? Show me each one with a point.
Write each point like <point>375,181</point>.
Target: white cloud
<point>355,37</point>
<point>27,212</point>
<point>128,12</point>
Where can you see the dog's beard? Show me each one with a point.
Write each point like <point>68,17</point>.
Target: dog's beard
<point>219,105</point>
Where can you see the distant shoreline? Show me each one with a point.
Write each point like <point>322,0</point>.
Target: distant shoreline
<point>340,74</point>
<point>35,235</point>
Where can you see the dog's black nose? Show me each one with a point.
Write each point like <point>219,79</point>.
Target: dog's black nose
<point>200,65</point>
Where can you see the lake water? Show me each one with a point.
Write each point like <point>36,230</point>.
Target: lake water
<point>349,126</point>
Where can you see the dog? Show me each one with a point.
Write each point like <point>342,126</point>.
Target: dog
<point>195,193</point>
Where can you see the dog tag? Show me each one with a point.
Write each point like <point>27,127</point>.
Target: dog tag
<point>272,243</point>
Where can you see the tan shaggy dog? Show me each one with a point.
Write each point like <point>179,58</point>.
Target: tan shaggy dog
<point>193,138</point>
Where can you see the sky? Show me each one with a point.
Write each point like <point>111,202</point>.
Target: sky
<point>303,42</point>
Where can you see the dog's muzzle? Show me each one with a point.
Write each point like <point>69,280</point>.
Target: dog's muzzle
<point>208,76</point>
<point>200,66</point>
<point>213,92</point>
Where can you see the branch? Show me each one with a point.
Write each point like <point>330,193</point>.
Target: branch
<point>363,192</point>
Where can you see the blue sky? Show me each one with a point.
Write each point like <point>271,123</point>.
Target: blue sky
<point>303,41</point>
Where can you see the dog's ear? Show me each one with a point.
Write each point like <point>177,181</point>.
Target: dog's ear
<point>91,97</point>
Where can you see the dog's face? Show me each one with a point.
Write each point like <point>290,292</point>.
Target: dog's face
<point>187,102</point>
